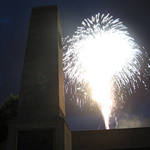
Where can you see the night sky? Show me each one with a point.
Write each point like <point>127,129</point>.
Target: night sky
<point>14,23</point>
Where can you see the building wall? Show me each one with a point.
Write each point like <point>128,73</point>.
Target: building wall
<point>40,86</point>
<point>3,145</point>
<point>111,139</point>
<point>67,137</point>
<point>108,139</point>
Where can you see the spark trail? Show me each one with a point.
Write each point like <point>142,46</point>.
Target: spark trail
<point>103,56</point>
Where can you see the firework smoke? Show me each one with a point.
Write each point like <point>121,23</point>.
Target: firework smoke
<point>102,57</point>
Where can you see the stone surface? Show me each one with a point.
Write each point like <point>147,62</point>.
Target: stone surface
<point>35,139</point>
<point>41,119</point>
<point>56,132</point>
<point>42,86</point>
<point>120,139</point>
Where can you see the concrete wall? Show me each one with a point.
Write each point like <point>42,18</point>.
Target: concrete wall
<point>111,139</point>
<point>41,96</point>
<point>67,137</point>
<point>42,104</point>
<point>3,145</point>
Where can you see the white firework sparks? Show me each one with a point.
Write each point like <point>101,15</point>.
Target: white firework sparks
<point>102,55</point>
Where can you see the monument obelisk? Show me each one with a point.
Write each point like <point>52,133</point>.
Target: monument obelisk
<point>41,116</point>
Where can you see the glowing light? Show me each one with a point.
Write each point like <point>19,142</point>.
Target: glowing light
<point>102,54</point>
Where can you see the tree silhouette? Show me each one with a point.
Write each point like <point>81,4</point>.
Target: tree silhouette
<point>8,111</point>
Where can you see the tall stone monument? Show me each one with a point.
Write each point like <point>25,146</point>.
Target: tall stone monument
<point>40,124</point>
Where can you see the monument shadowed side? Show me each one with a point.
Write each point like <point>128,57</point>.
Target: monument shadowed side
<point>42,87</point>
<point>41,122</point>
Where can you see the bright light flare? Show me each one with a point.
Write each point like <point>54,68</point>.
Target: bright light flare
<point>101,53</point>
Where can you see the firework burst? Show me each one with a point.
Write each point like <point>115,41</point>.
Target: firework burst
<point>102,57</point>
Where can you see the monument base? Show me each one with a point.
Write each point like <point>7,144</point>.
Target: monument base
<point>39,136</point>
